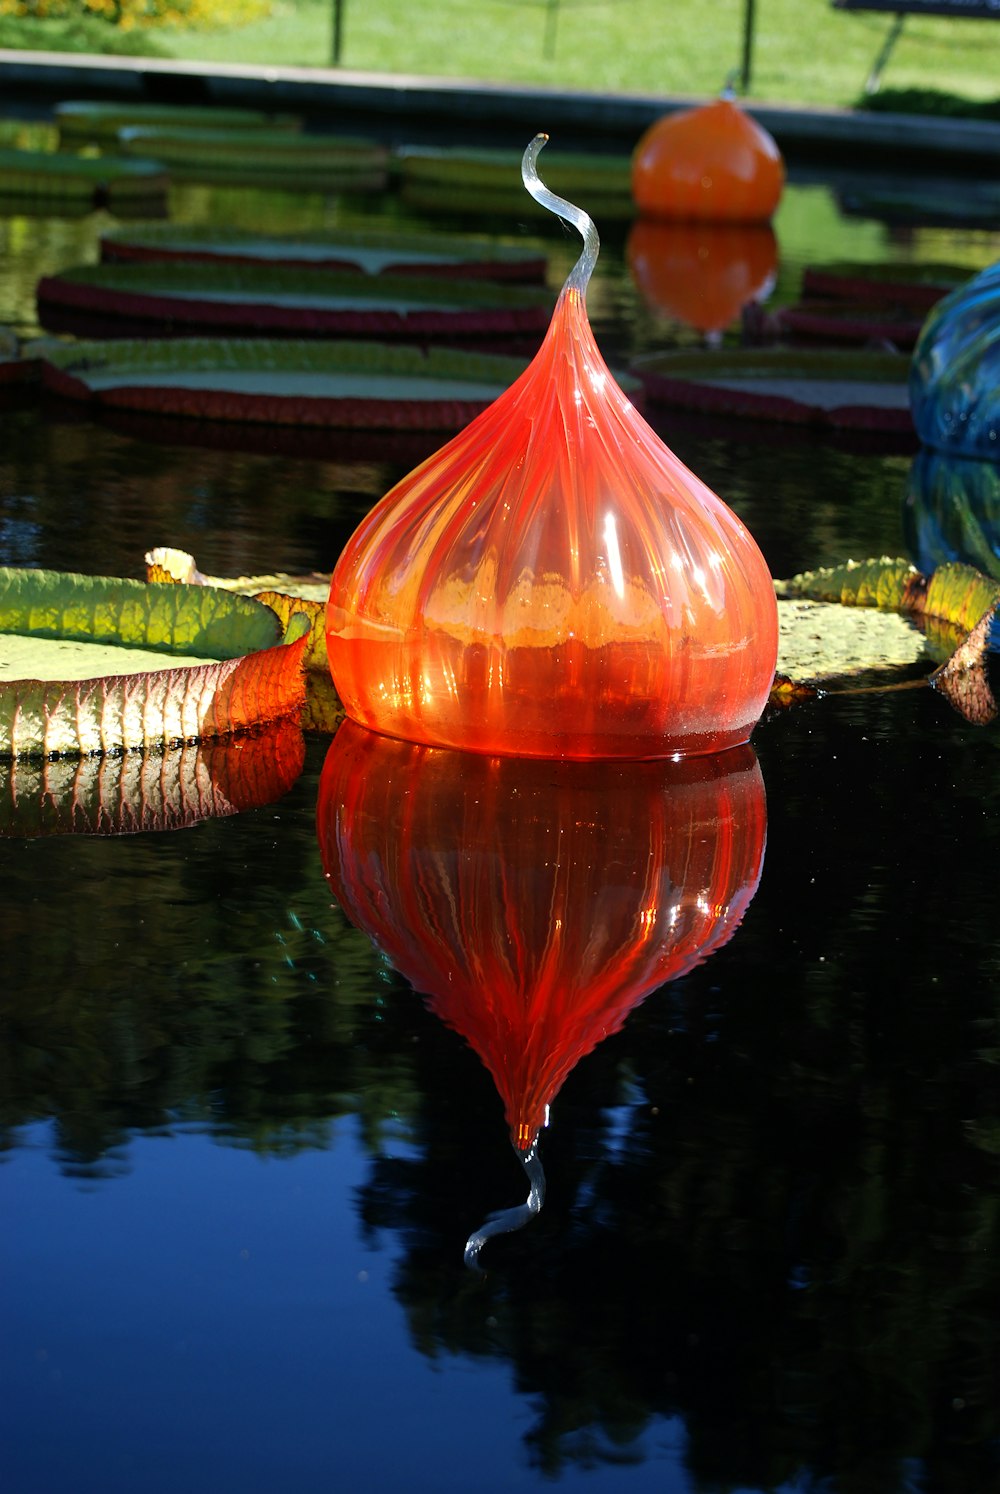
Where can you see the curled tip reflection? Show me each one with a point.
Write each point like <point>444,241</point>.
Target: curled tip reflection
<point>504,1221</point>
<point>583,269</point>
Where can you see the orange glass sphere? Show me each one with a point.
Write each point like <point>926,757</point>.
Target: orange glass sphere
<point>702,274</point>
<point>713,163</point>
<point>554,582</point>
<point>536,904</point>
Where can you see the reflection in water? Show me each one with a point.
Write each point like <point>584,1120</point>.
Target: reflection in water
<point>538,902</point>
<point>123,794</point>
<point>703,274</point>
<point>951,511</point>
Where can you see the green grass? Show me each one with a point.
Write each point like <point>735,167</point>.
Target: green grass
<point>804,51</point>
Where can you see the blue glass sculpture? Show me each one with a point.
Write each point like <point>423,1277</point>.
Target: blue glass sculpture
<point>955,370</point>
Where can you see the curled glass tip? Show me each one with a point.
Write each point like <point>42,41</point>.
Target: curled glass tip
<point>504,1221</point>
<point>583,269</point>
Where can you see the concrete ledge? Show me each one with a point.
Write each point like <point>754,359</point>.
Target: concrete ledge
<point>509,113</point>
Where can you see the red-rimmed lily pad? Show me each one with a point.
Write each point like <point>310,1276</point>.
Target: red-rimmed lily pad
<point>359,385</point>
<point>367,251</point>
<point>94,664</point>
<point>917,287</point>
<point>834,387</point>
<point>270,299</point>
<point>818,320</point>
<point>288,597</point>
<point>171,789</point>
<point>98,121</point>
<point>284,157</point>
<point>61,175</point>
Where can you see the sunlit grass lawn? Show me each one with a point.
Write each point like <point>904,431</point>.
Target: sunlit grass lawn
<point>804,50</point>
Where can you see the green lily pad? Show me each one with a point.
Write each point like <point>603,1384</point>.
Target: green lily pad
<point>98,121</point>
<point>831,387</point>
<point>175,663</point>
<point>260,154</point>
<point>363,385</point>
<point>487,182</point>
<point>60,174</point>
<point>274,299</point>
<point>918,286</point>
<point>368,251</point>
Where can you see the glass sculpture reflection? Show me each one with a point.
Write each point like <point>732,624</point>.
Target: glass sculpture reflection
<point>536,904</point>
<point>703,274</point>
<point>951,512</point>
<point>713,163</point>
<point>554,582</point>
<point>955,370</point>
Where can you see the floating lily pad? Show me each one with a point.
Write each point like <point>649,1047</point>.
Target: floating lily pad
<point>826,644</point>
<point>833,387</point>
<point>145,791</point>
<point>837,321</point>
<point>282,156</point>
<point>488,181</point>
<point>345,384</point>
<point>370,252</point>
<point>271,299</point>
<point>105,664</point>
<point>287,596</point>
<point>568,173</point>
<point>956,605</point>
<point>55,175</point>
<point>917,286</point>
<point>927,204</point>
<point>98,121</point>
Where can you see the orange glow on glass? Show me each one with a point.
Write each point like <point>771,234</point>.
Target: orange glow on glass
<point>554,582</point>
<point>536,904</point>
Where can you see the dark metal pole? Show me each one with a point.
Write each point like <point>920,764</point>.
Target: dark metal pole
<point>338,30</point>
<point>747,67</point>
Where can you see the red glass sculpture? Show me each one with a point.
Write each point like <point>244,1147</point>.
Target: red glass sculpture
<point>537,904</point>
<point>702,274</point>
<point>554,582</point>
<point>712,163</point>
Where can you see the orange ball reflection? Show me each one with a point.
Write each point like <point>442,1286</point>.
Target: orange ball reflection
<point>713,163</point>
<point>536,904</point>
<point>702,274</point>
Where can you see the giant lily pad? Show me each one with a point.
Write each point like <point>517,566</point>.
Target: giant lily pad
<point>281,156</point>
<point>170,789</point>
<point>288,597</point>
<point>834,387</point>
<point>344,384</point>
<point>59,175</point>
<point>955,597</point>
<point>272,299</point>
<point>916,286</point>
<point>488,181</point>
<point>835,321</point>
<point>105,664</point>
<point>98,121</point>
<point>570,174</point>
<point>367,251</point>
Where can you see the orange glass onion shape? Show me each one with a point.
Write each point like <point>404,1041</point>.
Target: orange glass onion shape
<point>702,274</point>
<point>712,163</point>
<point>536,904</point>
<point>554,582</point>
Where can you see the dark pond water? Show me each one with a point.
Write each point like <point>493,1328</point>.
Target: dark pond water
<point>242,1156</point>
